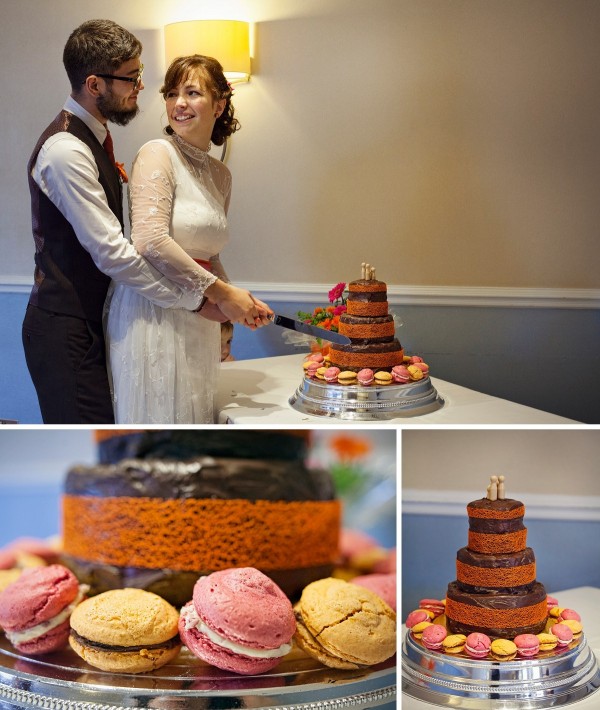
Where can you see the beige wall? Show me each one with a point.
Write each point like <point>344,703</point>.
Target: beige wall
<point>535,461</point>
<point>449,142</point>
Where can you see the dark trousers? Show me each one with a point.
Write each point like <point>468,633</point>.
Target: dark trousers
<point>67,362</point>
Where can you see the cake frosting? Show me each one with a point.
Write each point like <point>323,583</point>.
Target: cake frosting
<point>158,523</point>
<point>496,591</point>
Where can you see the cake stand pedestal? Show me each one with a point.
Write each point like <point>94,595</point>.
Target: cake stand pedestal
<point>63,681</point>
<point>373,403</point>
<point>547,681</point>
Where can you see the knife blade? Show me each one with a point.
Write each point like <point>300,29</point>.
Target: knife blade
<point>312,330</point>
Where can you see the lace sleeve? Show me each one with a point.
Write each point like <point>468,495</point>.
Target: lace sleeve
<point>151,192</point>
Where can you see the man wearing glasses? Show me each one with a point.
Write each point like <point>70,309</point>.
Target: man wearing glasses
<point>77,216</point>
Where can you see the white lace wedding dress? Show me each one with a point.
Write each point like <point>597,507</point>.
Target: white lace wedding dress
<point>164,363</point>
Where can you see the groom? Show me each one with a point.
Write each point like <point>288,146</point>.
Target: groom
<point>77,216</point>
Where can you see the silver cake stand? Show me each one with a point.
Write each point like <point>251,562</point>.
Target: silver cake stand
<point>63,681</point>
<point>359,403</point>
<point>547,681</point>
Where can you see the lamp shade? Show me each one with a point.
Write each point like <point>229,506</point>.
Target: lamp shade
<point>228,41</point>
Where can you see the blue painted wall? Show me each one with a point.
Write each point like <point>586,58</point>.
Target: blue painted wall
<point>566,554</point>
<point>545,358</point>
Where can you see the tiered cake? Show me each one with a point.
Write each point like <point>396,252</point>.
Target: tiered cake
<point>369,326</point>
<point>496,592</point>
<point>192,502</point>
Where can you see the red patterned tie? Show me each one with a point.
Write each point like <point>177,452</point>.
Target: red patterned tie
<point>108,146</point>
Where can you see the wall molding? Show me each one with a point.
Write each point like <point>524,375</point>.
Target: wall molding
<point>400,295</point>
<point>544,506</point>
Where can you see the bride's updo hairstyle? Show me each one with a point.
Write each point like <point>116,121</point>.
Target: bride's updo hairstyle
<point>210,73</point>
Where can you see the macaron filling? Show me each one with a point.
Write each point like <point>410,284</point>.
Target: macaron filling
<point>192,620</point>
<point>169,643</point>
<point>41,629</point>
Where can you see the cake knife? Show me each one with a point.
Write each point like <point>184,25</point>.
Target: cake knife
<point>301,327</point>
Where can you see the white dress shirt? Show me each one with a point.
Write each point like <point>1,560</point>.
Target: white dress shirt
<point>67,174</point>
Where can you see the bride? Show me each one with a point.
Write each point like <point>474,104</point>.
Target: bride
<point>164,363</point>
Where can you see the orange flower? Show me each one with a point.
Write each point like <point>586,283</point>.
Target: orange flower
<point>350,447</point>
<point>330,309</point>
<point>318,310</point>
<point>121,171</point>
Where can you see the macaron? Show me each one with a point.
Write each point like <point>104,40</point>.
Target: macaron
<point>320,372</point>
<point>503,650</point>
<point>433,636</point>
<point>436,606</point>
<point>563,633</point>
<point>568,614</point>
<point>424,367</point>
<point>415,373</point>
<point>343,625</point>
<point>331,374</point>
<point>555,612</point>
<point>35,609</point>
<point>384,585</point>
<point>400,374</point>
<point>365,377</point>
<point>527,645</point>
<point>347,377</point>
<point>383,378</point>
<point>416,617</point>
<point>454,643</point>
<point>316,357</point>
<point>551,602</point>
<point>477,645</point>
<point>548,642</point>
<point>125,631</point>
<point>575,627</point>
<point>417,629</point>
<point>238,620</point>
<point>312,368</point>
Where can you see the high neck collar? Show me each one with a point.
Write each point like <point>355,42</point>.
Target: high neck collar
<point>191,150</point>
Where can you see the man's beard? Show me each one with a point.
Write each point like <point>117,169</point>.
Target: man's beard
<point>112,111</point>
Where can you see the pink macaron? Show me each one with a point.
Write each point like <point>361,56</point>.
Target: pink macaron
<point>312,368</point>
<point>384,585</point>
<point>563,633</point>
<point>316,357</point>
<point>400,374</point>
<point>422,366</point>
<point>436,606</point>
<point>239,620</point>
<point>416,617</point>
<point>36,608</point>
<point>365,377</point>
<point>433,637</point>
<point>551,602</point>
<point>567,614</point>
<point>331,374</point>
<point>527,645</point>
<point>477,645</point>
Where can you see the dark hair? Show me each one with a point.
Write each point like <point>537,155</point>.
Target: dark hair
<point>211,72</point>
<point>98,46</point>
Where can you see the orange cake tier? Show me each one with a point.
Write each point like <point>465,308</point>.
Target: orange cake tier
<point>160,523</point>
<point>374,357</point>
<point>372,329</point>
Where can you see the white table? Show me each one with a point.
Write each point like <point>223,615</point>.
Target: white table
<point>257,392</point>
<point>586,602</point>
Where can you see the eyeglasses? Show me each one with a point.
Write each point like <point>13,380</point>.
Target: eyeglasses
<point>135,80</point>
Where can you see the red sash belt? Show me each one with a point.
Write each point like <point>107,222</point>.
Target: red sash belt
<point>204,264</point>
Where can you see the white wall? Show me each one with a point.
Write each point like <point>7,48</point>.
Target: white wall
<point>449,142</point>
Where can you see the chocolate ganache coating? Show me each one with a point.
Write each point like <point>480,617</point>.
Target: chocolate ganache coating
<point>202,477</point>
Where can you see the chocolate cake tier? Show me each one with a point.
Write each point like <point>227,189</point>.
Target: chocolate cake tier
<point>482,573</point>
<point>177,586</point>
<point>366,286</point>
<point>160,524</point>
<point>117,444</point>
<point>366,308</point>
<point>377,356</point>
<point>205,477</point>
<point>498,615</point>
<point>367,330</point>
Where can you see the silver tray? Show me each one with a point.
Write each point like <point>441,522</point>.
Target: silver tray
<point>63,681</point>
<point>372,403</point>
<point>554,679</point>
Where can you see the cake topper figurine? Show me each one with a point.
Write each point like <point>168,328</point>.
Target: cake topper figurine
<point>492,489</point>
<point>501,495</point>
<point>367,271</point>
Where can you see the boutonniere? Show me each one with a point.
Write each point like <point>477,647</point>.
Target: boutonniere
<point>121,171</point>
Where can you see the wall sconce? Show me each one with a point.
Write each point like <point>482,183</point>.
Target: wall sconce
<point>225,40</point>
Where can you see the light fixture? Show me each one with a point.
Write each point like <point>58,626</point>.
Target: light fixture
<point>225,40</point>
